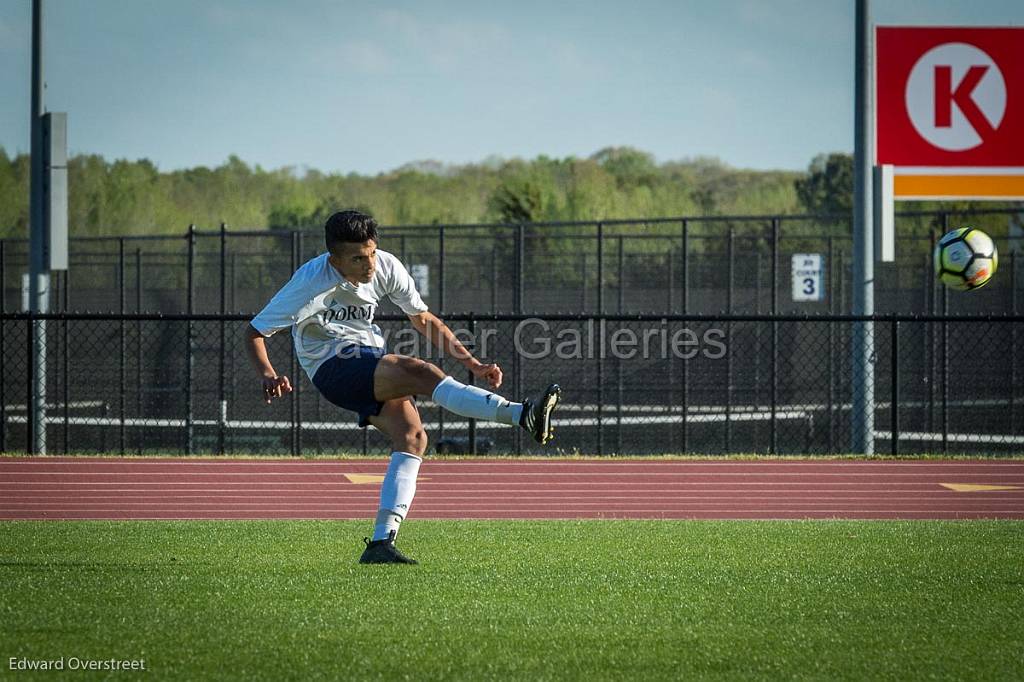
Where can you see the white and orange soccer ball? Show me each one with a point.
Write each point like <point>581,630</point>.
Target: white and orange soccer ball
<point>965,259</point>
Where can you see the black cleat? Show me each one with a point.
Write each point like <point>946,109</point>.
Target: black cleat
<point>384,552</point>
<point>536,416</point>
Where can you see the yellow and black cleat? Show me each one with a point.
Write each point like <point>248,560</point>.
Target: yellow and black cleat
<point>536,416</point>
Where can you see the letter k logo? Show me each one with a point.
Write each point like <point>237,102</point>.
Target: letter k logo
<point>955,96</point>
<point>946,96</point>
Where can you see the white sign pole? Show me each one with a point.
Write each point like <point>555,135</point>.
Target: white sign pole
<point>885,218</point>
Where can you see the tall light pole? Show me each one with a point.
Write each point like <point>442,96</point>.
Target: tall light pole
<point>39,275</point>
<point>862,369</point>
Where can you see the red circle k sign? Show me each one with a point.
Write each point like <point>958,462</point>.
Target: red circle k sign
<point>950,96</point>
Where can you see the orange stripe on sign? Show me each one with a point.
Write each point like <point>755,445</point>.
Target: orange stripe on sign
<point>958,186</point>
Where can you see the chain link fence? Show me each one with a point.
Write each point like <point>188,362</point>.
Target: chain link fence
<point>632,385</point>
<point>703,265</point>
<point>166,371</point>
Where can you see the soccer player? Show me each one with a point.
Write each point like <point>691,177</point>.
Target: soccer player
<point>329,304</point>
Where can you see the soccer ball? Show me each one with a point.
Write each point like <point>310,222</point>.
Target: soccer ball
<point>965,259</point>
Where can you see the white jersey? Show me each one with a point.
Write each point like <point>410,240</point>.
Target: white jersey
<point>325,311</point>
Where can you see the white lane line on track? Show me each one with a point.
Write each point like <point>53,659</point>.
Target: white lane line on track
<point>691,516</point>
<point>563,513</point>
<point>557,492</point>
<point>514,463</point>
<point>813,495</point>
<point>695,516</point>
<point>439,489</point>
<point>534,507</point>
<point>440,481</point>
<point>537,495</point>
<point>306,484</point>
<point>492,463</point>
<point>567,476</point>
<point>145,460</point>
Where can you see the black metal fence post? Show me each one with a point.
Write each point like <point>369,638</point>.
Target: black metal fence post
<point>190,332</point>
<point>600,268</point>
<point>894,349</point>
<point>294,405</point>
<point>774,446</point>
<point>758,383</point>
<point>583,280</point>
<point>441,267</point>
<point>671,355</point>
<point>30,445</point>
<point>670,279</point>
<point>122,343</point>
<point>602,328</point>
<point>232,368</point>
<point>830,277</point>
<point>945,372</point>
<point>619,397</point>
<point>66,352</point>
<point>1014,379</point>
<point>440,410</point>
<point>138,345</point>
<point>618,359</point>
<point>222,403</point>
<point>520,260</point>
<point>621,265</point>
<point>519,306</point>
<point>685,268</point>
<point>842,389</point>
<point>494,279</point>
<point>59,368</point>
<point>297,388</point>
<point>841,288</point>
<point>730,246</point>
<point>471,381</point>
<point>945,355</point>
<point>601,337</point>
<point>930,335</point>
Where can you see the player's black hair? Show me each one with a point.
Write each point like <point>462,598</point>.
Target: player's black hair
<point>349,226</point>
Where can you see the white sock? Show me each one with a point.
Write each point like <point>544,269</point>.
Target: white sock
<point>396,493</point>
<point>470,401</point>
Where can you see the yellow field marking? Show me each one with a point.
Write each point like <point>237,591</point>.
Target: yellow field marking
<point>974,488</point>
<point>363,478</point>
<point>360,479</point>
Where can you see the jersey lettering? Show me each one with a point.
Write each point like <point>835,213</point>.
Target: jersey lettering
<point>345,313</point>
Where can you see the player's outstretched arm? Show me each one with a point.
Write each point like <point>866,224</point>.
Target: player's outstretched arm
<point>440,336</point>
<point>274,386</point>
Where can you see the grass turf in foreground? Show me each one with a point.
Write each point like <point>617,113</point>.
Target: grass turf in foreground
<point>527,600</point>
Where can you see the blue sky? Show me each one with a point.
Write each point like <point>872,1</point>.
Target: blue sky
<point>365,87</point>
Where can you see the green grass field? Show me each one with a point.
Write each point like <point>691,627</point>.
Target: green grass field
<point>521,600</point>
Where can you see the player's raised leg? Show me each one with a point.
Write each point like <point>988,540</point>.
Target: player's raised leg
<point>399,375</point>
<point>399,421</point>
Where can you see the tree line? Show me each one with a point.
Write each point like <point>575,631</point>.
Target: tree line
<point>124,197</point>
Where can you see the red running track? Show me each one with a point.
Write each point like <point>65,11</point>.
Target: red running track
<point>85,488</point>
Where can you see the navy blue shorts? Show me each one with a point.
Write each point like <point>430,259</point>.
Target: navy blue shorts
<point>347,381</point>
